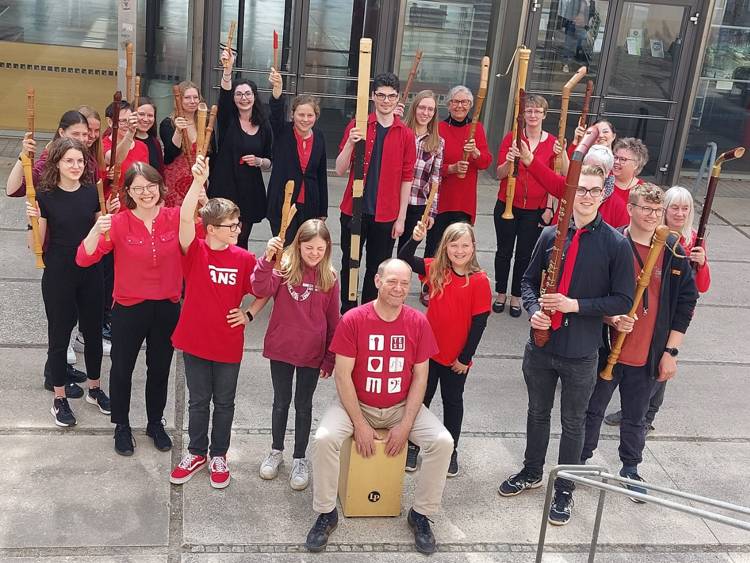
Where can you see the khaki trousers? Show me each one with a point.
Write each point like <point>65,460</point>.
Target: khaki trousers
<point>428,433</point>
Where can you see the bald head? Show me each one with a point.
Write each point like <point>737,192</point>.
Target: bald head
<point>393,280</point>
<point>389,264</point>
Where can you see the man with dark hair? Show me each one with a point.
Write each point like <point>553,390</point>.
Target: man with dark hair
<point>649,353</point>
<point>596,280</point>
<point>390,156</point>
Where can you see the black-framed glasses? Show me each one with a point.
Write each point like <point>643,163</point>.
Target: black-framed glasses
<point>381,97</point>
<point>234,227</point>
<point>593,192</point>
<point>648,211</point>
<point>247,95</point>
<point>140,190</point>
<point>464,103</point>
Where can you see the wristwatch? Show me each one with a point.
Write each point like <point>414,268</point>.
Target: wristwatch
<point>672,351</point>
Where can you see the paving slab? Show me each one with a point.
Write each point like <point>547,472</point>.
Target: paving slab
<point>469,557</point>
<point>74,490</point>
<point>714,336</point>
<point>467,501</point>
<point>89,559</point>
<point>734,210</point>
<point>27,403</point>
<point>16,261</point>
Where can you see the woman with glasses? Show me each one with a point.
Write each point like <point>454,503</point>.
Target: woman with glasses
<point>148,285</point>
<point>458,196</point>
<point>244,141</point>
<point>177,173</point>
<point>631,155</point>
<point>299,154</point>
<point>529,204</point>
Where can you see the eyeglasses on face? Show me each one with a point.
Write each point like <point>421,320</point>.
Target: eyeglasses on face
<point>140,190</point>
<point>233,227</point>
<point>464,103</point>
<point>392,97</point>
<point>593,192</point>
<point>247,95</point>
<point>648,211</point>
<point>623,159</point>
<point>534,111</point>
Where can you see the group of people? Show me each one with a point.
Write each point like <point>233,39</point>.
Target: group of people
<point>173,245</point>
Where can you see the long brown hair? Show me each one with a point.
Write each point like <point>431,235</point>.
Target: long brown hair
<point>292,265</point>
<point>88,112</point>
<point>184,86</point>
<point>441,265</point>
<point>50,176</point>
<point>432,141</point>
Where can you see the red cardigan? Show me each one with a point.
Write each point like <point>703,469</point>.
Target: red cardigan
<point>397,166</point>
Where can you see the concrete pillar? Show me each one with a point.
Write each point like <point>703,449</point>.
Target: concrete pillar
<point>127,17</point>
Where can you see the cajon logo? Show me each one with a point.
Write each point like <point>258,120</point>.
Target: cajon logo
<point>224,276</point>
<point>377,343</point>
<point>373,385</point>
<point>374,496</point>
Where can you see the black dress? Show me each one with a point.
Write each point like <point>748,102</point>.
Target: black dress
<point>228,178</point>
<point>286,166</point>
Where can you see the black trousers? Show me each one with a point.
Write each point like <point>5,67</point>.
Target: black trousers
<point>442,221</point>
<point>657,398</point>
<point>282,374</point>
<point>452,393</point>
<point>71,292</point>
<point>108,274</point>
<point>636,386</point>
<point>154,322</point>
<point>413,215</point>
<point>210,382</point>
<point>541,370</point>
<point>376,239</point>
<point>244,237</point>
<point>520,232</point>
<point>294,225</point>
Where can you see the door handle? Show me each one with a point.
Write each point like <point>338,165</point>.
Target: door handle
<point>664,168</point>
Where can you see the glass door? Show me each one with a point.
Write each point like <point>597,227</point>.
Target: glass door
<point>638,55</point>
<point>319,50</point>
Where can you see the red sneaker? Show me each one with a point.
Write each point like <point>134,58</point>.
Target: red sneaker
<point>219,472</point>
<point>188,467</point>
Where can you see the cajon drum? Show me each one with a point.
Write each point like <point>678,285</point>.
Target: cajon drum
<point>371,486</point>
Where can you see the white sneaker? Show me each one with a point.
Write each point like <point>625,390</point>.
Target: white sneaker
<point>72,359</point>
<point>269,469</point>
<point>79,345</point>
<point>300,476</point>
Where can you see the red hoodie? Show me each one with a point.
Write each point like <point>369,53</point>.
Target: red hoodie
<point>303,319</point>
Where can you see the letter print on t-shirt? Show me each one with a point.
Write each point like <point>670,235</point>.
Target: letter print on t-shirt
<point>224,276</point>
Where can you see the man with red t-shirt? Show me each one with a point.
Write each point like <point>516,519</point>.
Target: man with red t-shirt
<point>390,156</point>
<point>382,351</point>
<point>649,354</point>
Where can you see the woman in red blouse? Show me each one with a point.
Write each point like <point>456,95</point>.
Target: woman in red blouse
<point>529,203</point>
<point>147,289</point>
<point>631,155</point>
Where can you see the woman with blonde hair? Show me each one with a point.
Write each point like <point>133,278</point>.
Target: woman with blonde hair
<point>177,174</point>
<point>305,314</point>
<point>422,118</point>
<point>459,305</point>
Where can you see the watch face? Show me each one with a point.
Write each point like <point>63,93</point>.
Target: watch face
<point>672,351</point>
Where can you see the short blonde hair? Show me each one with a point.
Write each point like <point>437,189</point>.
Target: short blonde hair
<point>217,210</point>
<point>648,191</point>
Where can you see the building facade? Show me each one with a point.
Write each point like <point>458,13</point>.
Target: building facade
<point>675,73</point>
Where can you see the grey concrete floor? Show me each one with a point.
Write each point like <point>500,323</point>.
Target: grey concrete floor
<point>66,496</point>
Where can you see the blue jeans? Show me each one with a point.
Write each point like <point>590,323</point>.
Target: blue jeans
<point>541,370</point>
<point>209,381</point>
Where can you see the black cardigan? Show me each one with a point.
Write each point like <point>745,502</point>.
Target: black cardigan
<point>286,167</point>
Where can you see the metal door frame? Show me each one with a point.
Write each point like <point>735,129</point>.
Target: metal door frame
<point>666,166</point>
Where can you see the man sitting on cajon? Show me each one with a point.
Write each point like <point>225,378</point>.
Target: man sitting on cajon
<point>382,350</point>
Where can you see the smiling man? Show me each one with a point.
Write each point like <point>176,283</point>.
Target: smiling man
<point>598,272</point>
<point>382,351</point>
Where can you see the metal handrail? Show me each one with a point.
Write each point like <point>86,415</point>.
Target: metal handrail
<point>597,477</point>
<point>709,158</point>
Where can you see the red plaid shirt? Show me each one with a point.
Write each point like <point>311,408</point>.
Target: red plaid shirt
<point>426,171</point>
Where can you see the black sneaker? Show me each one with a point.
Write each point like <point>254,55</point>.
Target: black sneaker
<point>124,441</point>
<point>97,397</point>
<point>75,375</point>
<point>636,489</point>
<point>162,441</point>
<point>317,537</point>
<point>613,419</point>
<point>519,482</point>
<point>562,506</point>
<point>411,457</point>
<point>72,391</point>
<point>62,413</point>
<point>453,466</point>
<point>424,539</point>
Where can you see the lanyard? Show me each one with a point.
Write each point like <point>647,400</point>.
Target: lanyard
<point>640,263</point>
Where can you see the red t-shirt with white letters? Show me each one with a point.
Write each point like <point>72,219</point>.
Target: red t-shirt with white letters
<point>384,352</point>
<point>215,282</point>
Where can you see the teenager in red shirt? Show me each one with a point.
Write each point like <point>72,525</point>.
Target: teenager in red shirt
<point>211,328</point>
<point>389,170</point>
<point>129,149</point>
<point>458,196</point>
<point>529,203</point>
<point>459,305</point>
<point>147,290</point>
